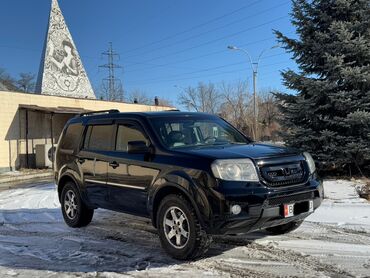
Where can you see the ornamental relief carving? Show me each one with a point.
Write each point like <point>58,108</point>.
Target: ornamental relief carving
<point>63,72</point>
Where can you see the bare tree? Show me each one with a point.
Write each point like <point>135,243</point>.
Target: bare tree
<point>234,103</point>
<point>138,96</point>
<point>105,93</point>
<point>268,107</point>
<point>268,115</point>
<point>165,102</point>
<point>8,82</point>
<point>236,107</point>
<point>203,98</point>
<point>26,82</point>
<point>2,73</point>
<point>189,99</point>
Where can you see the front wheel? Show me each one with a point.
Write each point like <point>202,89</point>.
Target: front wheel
<point>75,212</point>
<point>180,232</point>
<point>285,228</point>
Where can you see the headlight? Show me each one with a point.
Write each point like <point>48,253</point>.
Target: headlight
<point>234,170</point>
<point>310,162</point>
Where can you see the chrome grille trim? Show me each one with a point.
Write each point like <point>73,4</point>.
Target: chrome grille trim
<point>283,172</point>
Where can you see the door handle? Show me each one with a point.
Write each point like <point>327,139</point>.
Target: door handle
<point>114,164</point>
<point>81,160</point>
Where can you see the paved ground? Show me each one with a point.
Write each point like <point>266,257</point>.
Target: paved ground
<point>34,241</point>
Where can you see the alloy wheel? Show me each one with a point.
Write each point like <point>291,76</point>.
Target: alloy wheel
<point>176,227</point>
<point>70,204</point>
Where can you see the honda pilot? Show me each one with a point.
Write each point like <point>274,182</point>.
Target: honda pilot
<point>193,174</point>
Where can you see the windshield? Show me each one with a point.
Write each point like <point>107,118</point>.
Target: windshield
<point>193,132</point>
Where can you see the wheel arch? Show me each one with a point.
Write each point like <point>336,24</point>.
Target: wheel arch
<point>64,180</point>
<point>189,191</point>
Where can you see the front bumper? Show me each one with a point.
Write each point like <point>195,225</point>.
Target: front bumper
<point>266,210</point>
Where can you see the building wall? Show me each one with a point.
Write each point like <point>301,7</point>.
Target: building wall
<point>13,120</point>
<point>39,132</point>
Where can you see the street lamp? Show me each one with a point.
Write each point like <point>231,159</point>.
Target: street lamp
<point>254,67</point>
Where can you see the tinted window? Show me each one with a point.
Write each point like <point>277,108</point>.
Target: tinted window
<point>194,132</point>
<point>127,133</point>
<point>72,136</point>
<point>98,137</point>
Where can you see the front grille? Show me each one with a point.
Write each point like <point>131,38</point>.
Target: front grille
<point>283,174</point>
<point>291,198</point>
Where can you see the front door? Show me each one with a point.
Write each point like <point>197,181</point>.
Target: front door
<point>130,175</point>
<point>94,158</point>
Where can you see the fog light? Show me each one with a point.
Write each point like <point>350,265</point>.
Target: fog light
<point>235,209</point>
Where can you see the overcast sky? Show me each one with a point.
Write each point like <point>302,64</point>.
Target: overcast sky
<point>164,45</point>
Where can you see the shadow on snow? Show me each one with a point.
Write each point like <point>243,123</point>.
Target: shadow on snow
<point>38,239</point>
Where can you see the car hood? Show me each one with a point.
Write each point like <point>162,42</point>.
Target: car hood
<point>253,151</point>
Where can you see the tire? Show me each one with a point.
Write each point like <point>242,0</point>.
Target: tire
<point>184,223</point>
<point>285,228</point>
<point>79,215</point>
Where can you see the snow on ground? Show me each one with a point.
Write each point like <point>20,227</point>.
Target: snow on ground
<point>35,242</point>
<point>343,207</point>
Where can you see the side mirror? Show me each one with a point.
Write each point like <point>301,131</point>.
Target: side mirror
<point>137,147</point>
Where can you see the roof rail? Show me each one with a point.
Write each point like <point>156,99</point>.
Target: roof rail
<point>110,111</point>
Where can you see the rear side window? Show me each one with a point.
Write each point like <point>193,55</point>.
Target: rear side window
<point>98,137</point>
<point>72,136</point>
<point>127,133</point>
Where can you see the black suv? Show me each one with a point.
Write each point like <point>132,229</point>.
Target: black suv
<point>193,174</point>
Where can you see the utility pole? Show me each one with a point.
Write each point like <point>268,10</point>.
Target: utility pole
<point>255,110</point>
<point>115,89</point>
<point>254,67</point>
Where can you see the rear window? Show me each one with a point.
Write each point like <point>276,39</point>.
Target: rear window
<point>98,137</point>
<point>72,136</point>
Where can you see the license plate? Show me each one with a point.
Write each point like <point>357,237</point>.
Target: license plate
<point>288,210</point>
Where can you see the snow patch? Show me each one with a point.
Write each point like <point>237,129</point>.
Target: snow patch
<point>34,241</point>
<point>343,207</point>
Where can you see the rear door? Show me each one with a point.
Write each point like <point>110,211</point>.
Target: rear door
<point>94,158</point>
<point>130,175</point>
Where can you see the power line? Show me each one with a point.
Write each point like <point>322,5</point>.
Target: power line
<point>115,89</point>
<point>195,27</point>
<point>211,30</point>
<point>215,68</point>
<point>215,40</point>
<point>202,76</point>
<point>157,65</point>
<point>203,56</point>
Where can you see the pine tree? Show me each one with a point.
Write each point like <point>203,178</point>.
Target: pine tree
<point>330,114</point>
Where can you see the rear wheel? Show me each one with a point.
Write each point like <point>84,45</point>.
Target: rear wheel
<point>180,232</point>
<point>75,212</point>
<point>285,228</point>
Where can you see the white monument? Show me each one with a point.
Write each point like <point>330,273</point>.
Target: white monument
<point>61,70</point>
